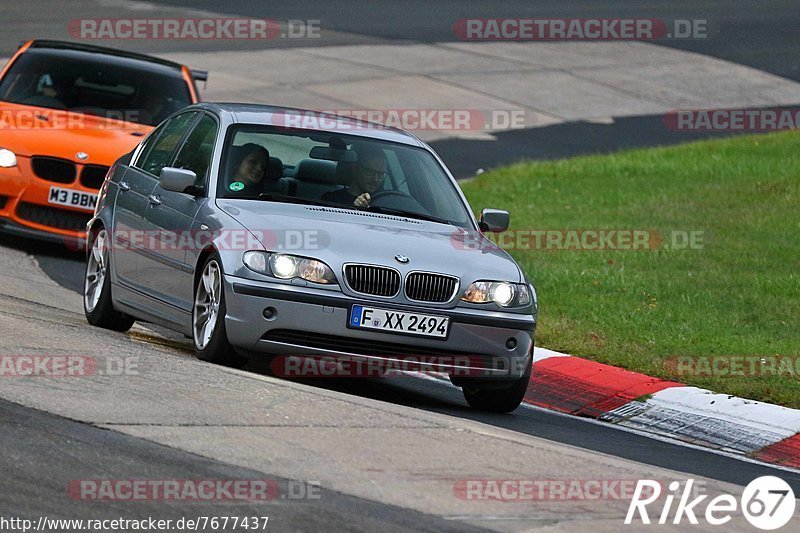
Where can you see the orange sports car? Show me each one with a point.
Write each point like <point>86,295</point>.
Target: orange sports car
<point>67,112</point>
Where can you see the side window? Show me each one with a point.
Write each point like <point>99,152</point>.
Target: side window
<point>160,154</point>
<point>195,153</point>
<point>146,146</point>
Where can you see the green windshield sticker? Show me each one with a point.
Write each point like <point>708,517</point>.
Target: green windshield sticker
<point>236,186</point>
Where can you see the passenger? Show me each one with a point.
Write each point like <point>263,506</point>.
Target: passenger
<point>369,175</point>
<point>250,164</point>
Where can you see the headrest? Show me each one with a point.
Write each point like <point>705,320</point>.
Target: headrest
<point>316,170</point>
<point>274,169</point>
<point>345,172</point>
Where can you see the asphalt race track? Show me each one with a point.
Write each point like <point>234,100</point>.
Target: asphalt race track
<point>36,441</point>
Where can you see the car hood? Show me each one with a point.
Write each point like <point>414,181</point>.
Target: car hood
<point>338,236</point>
<point>64,134</point>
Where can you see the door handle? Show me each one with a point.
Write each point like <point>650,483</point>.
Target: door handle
<point>123,186</point>
<point>153,199</point>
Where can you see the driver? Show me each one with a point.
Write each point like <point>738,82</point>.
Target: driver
<point>369,174</point>
<point>48,93</point>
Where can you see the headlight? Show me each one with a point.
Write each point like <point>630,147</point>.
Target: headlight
<point>7,158</point>
<point>256,261</point>
<point>502,293</point>
<point>284,266</point>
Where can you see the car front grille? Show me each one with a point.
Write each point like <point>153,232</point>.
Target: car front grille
<point>53,169</point>
<point>426,287</point>
<point>3,200</point>
<point>358,346</point>
<point>92,176</point>
<point>53,217</point>
<point>374,280</point>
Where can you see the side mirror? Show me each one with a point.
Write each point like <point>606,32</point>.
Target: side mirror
<point>179,180</point>
<point>494,220</point>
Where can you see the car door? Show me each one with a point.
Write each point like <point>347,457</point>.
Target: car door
<point>129,205</point>
<point>142,178</point>
<point>170,215</point>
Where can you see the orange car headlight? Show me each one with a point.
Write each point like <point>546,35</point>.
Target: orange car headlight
<point>7,158</point>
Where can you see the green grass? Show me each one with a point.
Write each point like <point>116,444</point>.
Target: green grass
<point>738,295</point>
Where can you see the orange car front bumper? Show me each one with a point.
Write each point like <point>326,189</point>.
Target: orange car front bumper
<point>28,204</point>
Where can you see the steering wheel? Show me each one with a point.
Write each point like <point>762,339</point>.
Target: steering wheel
<point>394,199</point>
<point>386,194</point>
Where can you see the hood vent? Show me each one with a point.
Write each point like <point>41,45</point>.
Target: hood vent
<point>362,214</point>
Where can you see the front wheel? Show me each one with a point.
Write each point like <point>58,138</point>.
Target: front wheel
<point>208,318</point>
<point>498,400</point>
<point>97,304</point>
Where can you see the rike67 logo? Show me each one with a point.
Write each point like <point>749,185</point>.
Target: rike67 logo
<point>767,502</point>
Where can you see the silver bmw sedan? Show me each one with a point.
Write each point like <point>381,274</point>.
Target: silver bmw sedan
<point>262,231</point>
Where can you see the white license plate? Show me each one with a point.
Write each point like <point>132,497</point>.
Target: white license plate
<point>362,317</point>
<point>79,199</point>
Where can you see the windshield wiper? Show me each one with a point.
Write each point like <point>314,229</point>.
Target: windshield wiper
<point>268,196</point>
<point>409,214</point>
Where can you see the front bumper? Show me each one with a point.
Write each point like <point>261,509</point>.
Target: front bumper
<point>26,211</point>
<point>308,321</point>
<point>72,242</point>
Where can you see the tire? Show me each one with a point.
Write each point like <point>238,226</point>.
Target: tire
<point>498,400</point>
<point>97,304</point>
<point>208,317</point>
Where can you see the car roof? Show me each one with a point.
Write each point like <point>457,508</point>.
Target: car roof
<point>271,115</point>
<point>112,55</point>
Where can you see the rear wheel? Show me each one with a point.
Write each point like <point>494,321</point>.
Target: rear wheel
<point>97,304</point>
<point>490,397</point>
<point>208,318</point>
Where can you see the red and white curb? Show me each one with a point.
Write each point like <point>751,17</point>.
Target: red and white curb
<point>580,387</point>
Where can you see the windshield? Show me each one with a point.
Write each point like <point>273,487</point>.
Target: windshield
<point>262,163</point>
<point>94,87</point>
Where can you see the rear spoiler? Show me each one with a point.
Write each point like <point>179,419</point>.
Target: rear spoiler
<point>200,75</point>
